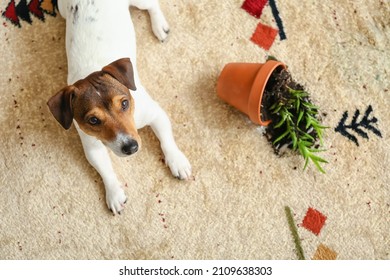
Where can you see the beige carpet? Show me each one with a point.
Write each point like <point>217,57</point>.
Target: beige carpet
<point>52,202</point>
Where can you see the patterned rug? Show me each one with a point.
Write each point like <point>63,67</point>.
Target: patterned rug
<point>244,202</point>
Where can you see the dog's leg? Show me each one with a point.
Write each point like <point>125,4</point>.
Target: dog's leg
<point>160,26</point>
<point>174,158</point>
<point>97,155</point>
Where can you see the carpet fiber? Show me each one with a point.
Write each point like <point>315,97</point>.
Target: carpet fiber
<point>243,202</point>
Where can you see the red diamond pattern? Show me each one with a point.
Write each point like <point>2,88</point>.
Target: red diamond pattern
<point>314,221</point>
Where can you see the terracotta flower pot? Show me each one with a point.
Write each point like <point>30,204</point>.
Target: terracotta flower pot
<point>242,86</point>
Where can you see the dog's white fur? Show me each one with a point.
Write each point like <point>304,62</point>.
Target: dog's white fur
<point>99,32</point>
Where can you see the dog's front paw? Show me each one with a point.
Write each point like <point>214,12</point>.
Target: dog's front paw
<point>160,26</point>
<point>115,199</point>
<point>178,164</point>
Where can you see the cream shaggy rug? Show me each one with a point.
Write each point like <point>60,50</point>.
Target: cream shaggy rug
<point>52,202</point>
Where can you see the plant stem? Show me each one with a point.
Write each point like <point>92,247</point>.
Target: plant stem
<point>294,233</point>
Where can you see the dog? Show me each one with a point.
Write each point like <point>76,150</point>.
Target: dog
<point>105,99</point>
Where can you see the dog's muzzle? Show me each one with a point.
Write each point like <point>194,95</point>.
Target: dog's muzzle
<point>124,145</point>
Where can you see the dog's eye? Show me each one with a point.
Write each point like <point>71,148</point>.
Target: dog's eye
<point>125,105</point>
<point>94,121</point>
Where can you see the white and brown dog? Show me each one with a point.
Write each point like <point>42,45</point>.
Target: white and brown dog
<point>100,43</point>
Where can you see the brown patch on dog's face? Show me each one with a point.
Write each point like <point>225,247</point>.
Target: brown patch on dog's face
<point>104,108</point>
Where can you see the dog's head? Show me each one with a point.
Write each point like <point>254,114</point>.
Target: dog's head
<point>102,106</point>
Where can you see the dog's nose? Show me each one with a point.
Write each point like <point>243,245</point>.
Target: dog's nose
<point>130,147</point>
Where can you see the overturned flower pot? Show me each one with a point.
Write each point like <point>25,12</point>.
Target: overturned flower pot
<point>269,96</point>
<point>242,85</point>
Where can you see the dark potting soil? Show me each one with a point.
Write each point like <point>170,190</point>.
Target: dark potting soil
<point>277,89</point>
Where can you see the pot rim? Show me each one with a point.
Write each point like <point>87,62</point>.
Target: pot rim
<point>257,90</point>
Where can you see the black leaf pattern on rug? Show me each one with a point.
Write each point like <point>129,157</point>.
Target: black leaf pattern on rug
<point>357,126</point>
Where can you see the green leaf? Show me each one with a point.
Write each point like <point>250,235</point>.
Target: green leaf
<point>270,57</point>
<point>301,113</point>
<point>281,137</point>
<point>306,163</point>
<point>276,108</point>
<point>294,140</point>
<point>273,106</point>
<point>316,158</point>
<point>321,126</point>
<point>310,106</point>
<point>298,93</point>
<point>307,145</point>
<point>308,121</point>
<point>298,104</point>
<point>282,121</point>
<point>303,149</point>
<point>317,150</point>
<point>310,139</point>
<point>319,167</point>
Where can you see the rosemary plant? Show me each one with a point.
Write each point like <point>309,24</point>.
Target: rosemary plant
<point>298,121</point>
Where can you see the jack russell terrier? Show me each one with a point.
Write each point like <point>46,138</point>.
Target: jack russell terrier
<point>102,68</point>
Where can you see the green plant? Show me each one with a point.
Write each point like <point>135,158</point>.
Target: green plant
<point>299,124</point>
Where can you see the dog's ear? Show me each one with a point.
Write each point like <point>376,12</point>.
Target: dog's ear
<point>122,70</point>
<point>60,106</point>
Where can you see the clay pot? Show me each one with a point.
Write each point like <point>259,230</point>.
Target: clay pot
<point>242,85</point>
